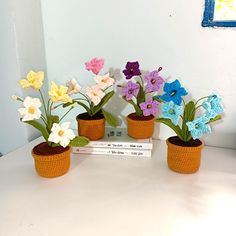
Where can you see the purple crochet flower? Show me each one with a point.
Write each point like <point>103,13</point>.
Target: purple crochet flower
<point>130,90</point>
<point>150,107</point>
<point>131,69</point>
<point>154,81</point>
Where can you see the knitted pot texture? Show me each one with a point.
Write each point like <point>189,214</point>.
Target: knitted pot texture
<point>184,160</point>
<point>92,129</point>
<point>140,129</point>
<point>52,165</point>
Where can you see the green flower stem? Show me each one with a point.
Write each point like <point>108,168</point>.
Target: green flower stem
<point>87,99</point>
<point>197,107</point>
<point>57,106</point>
<point>65,114</point>
<point>41,95</point>
<point>214,119</point>
<point>43,119</point>
<point>184,102</point>
<point>200,99</point>
<point>91,109</point>
<point>194,110</point>
<point>142,82</point>
<point>81,99</point>
<point>138,110</point>
<point>159,100</point>
<point>50,109</point>
<point>19,99</point>
<point>169,123</point>
<point>104,90</point>
<point>48,106</point>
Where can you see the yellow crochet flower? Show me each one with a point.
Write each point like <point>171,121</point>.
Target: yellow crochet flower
<point>59,93</point>
<point>33,79</point>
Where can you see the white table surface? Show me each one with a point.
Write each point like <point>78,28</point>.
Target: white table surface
<point>119,196</point>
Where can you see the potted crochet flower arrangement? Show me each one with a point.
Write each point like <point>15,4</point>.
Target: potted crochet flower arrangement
<point>52,157</point>
<point>189,120</point>
<point>91,123</point>
<point>140,94</point>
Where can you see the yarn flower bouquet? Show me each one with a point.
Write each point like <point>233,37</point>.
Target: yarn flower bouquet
<point>91,123</point>
<point>52,157</point>
<point>189,121</point>
<point>140,94</point>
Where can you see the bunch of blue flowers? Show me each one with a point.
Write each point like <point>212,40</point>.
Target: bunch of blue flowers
<point>181,116</point>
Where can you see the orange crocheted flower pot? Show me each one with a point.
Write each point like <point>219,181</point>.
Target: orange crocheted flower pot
<point>140,127</point>
<point>51,165</point>
<point>184,159</point>
<point>93,128</point>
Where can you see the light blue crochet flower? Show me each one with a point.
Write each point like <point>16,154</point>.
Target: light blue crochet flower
<point>213,106</point>
<point>172,111</point>
<point>199,126</point>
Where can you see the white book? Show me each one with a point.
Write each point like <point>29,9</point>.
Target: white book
<point>118,138</point>
<point>113,151</point>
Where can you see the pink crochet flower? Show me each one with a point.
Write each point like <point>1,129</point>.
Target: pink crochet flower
<point>95,65</point>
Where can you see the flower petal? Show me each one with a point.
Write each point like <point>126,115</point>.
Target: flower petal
<point>64,142</point>
<point>54,137</point>
<point>55,128</point>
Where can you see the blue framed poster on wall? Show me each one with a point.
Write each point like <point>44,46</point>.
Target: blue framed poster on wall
<point>219,13</point>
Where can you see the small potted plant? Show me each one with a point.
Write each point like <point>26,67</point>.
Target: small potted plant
<point>52,157</point>
<point>189,120</point>
<point>141,93</point>
<point>91,123</point>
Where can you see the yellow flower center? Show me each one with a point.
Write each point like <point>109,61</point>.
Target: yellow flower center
<point>172,111</point>
<point>173,93</point>
<point>31,110</point>
<point>149,106</point>
<point>60,93</point>
<point>94,94</point>
<point>153,81</point>
<point>60,133</point>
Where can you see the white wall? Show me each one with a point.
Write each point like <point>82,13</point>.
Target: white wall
<point>22,48</point>
<point>30,45</point>
<point>155,32</point>
<point>12,132</point>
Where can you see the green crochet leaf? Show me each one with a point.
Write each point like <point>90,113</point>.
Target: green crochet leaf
<point>104,100</point>
<point>169,123</point>
<point>214,119</point>
<point>189,114</point>
<point>79,141</point>
<point>39,127</point>
<point>110,119</point>
<point>136,107</point>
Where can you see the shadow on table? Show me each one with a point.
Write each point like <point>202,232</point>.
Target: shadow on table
<point>218,160</point>
<point>77,159</point>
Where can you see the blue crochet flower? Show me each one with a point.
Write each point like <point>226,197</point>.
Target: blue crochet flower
<point>198,127</point>
<point>174,92</point>
<point>172,111</point>
<point>213,106</point>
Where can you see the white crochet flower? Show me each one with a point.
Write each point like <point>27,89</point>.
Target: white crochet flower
<point>104,81</point>
<point>31,109</point>
<point>61,134</point>
<point>73,86</point>
<point>95,94</point>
